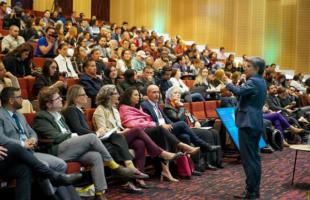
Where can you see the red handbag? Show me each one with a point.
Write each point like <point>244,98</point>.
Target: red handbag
<point>185,166</point>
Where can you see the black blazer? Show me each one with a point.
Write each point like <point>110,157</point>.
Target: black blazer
<point>148,108</point>
<point>16,66</point>
<point>76,120</point>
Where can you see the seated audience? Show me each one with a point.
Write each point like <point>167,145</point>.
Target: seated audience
<point>132,116</point>
<point>49,78</point>
<point>131,80</point>
<point>138,63</point>
<point>50,124</point>
<point>106,116</point>
<point>18,61</point>
<point>124,62</point>
<point>12,40</point>
<point>17,130</point>
<point>100,66</point>
<point>16,162</point>
<point>185,94</point>
<point>179,129</point>
<point>64,63</point>
<point>78,58</point>
<point>90,81</point>
<point>47,45</point>
<point>175,111</point>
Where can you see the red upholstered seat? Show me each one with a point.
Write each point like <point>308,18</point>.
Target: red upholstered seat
<point>210,108</point>
<point>198,110</point>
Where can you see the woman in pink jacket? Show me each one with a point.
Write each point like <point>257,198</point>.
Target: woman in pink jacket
<point>132,116</point>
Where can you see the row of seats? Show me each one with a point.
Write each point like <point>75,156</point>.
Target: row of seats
<point>26,85</point>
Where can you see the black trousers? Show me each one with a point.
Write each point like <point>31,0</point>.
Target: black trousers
<point>19,164</point>
<point>249,152</point>
<point>117,146</point>
<point>212,137</point>
<point>186,135</point>
<point>163,138</point>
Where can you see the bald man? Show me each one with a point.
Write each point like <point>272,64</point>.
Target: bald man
<point>180,129</point>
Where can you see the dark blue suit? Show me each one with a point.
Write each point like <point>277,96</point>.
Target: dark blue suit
<point>180,129</point>
<point>249,119</point>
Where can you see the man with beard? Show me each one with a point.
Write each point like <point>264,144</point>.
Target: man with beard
<point>17,130</point>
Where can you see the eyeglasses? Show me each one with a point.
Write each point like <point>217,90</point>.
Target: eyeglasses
<point>58,98</point>
<point>115,93</point>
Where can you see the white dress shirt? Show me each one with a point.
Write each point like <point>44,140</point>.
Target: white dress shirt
<point>65,65</point>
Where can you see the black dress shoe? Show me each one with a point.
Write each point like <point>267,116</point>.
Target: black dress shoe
<point>220,166</point>
<point>210,167</point>
<point>213,147</point>
<point>247,195</point>
<point>196,173</point>
<point>64,179</point>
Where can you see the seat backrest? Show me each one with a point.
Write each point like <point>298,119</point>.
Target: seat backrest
<point>38,61</point>
<point>198,110</point>
<point>30,83</point>
<point>72,81</point>
<point>89,117</point>
<point>29,117</point>
<point>210,108</point>
<point>187,106</point>
<point>23,83</point>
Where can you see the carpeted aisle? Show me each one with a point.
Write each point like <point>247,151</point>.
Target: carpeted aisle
<point>223,184</point>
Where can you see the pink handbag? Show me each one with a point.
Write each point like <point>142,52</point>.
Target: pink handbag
<point>185,166</point>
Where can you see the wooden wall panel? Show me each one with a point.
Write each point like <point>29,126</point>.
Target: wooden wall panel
<point>40,5</point>
<point>82,6</point>
<point>302,36</point>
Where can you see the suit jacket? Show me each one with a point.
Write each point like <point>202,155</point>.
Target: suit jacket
<point>148,108</point>
<point>104,117</point>
<point>9,130</point>
<point>76,120</point>
<point>46,127</point>
<point>252,98</point>
<point>274,103</point>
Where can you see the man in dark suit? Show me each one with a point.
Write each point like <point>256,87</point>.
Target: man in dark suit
<point>15,129</point>
<point>179,129</point>
<point>19,163</point>
<point>249,120</point>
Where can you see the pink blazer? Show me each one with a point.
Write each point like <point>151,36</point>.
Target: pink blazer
<point>132,117</point>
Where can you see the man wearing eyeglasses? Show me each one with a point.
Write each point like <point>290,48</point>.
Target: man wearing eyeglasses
<point>15,129</point>
<point>12,40</point>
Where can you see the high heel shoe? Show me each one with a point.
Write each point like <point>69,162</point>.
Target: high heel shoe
<point>164,176</point>
<point>176,155</point>
<point>192,150</point>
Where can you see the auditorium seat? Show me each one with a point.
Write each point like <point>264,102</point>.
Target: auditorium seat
<point>23,83</point>
<point>4,32</point>
<point>29,117</point>
<point>187,106</point>
<point>72,81</point>
<point>30,83</point>
<point>38,61</point>
<point>198,110</point>
<point>210,108</point>
<point>89,117</point>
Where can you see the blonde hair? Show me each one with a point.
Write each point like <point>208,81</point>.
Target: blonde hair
<point>72,94</point>
<point>199,80</point>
